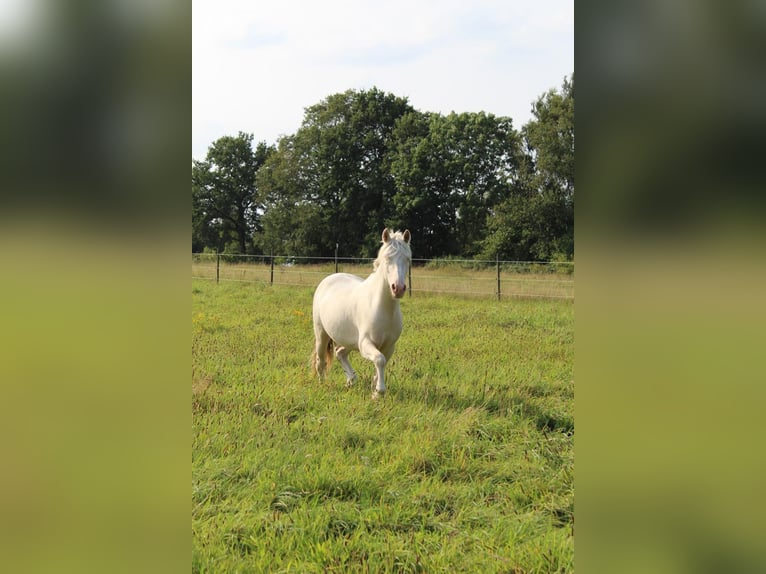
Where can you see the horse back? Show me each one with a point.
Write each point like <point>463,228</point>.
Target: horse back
<point>335,286</point>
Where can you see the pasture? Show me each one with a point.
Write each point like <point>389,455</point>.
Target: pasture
<point>466,465</point>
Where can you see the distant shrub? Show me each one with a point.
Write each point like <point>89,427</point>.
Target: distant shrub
<point>454,262</point>
<point>561,266</point>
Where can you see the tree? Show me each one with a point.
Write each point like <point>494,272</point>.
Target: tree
<point>292,219</point>
<point>528,228</point>
<point>225,210</point>
<point>450,171</point>
<point>536,220</point>
<point>550,139</point>
<point>422,201</point>
<point>335,170</point>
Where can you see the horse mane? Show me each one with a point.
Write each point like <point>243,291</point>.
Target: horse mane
<point>396,245</point>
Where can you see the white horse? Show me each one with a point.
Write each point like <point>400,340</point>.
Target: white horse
<point>354,313</point>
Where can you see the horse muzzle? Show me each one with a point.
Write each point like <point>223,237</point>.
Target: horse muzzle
<point>397,290</point>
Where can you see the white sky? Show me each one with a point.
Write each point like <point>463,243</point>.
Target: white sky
<point>258,64</point>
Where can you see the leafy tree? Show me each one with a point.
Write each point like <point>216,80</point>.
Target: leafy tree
<point>528,227</point>
<point>536,220</point>
<point>422,201</point>
<point>292,219</point>
<point>225,211</point>
<point>550,139</point>
<point>450,171</point>
<point>335,169</point>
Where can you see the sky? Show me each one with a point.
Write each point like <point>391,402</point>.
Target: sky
<point>256,66</point>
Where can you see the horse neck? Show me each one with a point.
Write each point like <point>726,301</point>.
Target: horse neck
<point>379,289</point>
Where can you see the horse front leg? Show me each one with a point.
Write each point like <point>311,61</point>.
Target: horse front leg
<point>369,351</point>
<point>342,354</point>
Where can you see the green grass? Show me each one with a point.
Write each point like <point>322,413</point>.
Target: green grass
<point>466,465</point>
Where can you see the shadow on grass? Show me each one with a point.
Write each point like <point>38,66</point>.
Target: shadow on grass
<point>496,402</point>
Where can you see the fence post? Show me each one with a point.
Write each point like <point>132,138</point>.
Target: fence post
<point>271,279</point>
<point>409,279</point>
<point>497,260</point>
<point>217,265</point>
<point>336,257</point>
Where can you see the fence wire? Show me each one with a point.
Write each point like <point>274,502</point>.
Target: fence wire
<point>501,279</point>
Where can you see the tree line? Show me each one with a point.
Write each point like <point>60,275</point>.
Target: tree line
<point>465,184</point>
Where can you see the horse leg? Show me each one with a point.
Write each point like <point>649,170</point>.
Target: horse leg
<point>371,352</point>
<point>320,351</point>
<point>342,354</point>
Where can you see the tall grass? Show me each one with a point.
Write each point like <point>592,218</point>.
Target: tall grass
<point>465,466</point>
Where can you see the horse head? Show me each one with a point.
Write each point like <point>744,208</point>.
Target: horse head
<point>394,260</point>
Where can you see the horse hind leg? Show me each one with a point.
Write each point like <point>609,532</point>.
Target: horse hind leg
<point>342,354</point>
<point>321,358</point>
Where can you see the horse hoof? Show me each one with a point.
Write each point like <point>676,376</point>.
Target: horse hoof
<point>350,383</point>
<point>378,394</point>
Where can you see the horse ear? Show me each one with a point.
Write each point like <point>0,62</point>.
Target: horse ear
<point>406,235</point>
<point>386,236</point>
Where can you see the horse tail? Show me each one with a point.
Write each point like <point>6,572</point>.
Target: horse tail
<point>329,354</point>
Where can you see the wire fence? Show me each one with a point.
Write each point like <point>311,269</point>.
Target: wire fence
<point>470,277</point>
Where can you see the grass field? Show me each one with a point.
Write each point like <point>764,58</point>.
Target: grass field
<point>466,465</point>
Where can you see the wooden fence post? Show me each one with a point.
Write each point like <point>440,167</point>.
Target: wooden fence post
<point>497,259</point>
<point>217,266</point>
<point>271,279</point>
<point>336,257</point>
